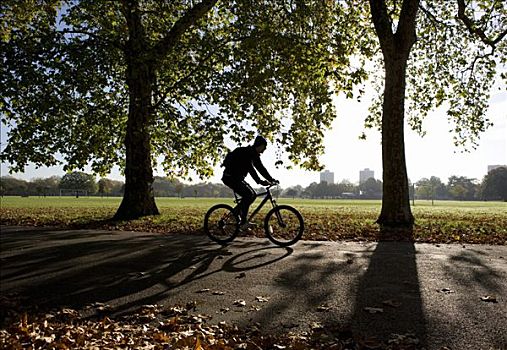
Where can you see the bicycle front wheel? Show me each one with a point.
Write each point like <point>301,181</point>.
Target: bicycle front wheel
<point>221,224</point>
<point>284,225</point>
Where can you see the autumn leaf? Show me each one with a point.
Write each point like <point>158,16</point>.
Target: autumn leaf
<point>239,303</point>
<point>191,305</point>
<point>446,291</point>
<point>374,310</point>
<point>392,303</point>
<point>314,326</point>
<point>161,337</point>
<point>323,308</point>
<point>489,299</point>
<point>371,343</point>
<point>198,344</point>
<point>261,299</point>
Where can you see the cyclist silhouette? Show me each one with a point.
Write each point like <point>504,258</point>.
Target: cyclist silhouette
<point>239,163</point>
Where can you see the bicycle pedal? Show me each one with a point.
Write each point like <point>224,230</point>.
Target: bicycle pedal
<point>247,226</point>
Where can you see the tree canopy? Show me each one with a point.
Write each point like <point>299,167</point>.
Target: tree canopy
<point>131,82</point>
<point>234,73</point>
<point>494,185</point>
<point>78,180</point>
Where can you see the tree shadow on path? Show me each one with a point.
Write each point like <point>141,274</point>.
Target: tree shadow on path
<point>47,269</point>
<point>388,297</point>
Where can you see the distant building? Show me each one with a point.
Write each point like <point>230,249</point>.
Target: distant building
<point>327,176</point>
<point>492,167</point>
<point>365,175</point>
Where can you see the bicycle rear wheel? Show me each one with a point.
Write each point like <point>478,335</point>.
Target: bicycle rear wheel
<point>284,225</point>
<point>221,224</point>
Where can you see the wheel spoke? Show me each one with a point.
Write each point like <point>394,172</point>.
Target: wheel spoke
<point>220,224</point>
<point>284,225</point>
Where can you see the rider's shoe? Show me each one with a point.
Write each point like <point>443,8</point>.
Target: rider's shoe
<point>246,226</point>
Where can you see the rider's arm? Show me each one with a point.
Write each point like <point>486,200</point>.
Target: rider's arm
<point>254,175</point>
<point>259,166</point>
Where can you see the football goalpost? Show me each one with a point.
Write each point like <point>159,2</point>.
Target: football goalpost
<point>73,192</point>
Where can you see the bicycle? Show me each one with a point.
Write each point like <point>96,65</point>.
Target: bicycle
<point>283,224</point>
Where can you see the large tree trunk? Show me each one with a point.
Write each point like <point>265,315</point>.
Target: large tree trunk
<point>138,198</point>
<point>395,217</point>
<point>142,61</point>
<point>395,213</point>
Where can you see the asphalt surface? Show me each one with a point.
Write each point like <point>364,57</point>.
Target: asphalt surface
<point>377,289</point>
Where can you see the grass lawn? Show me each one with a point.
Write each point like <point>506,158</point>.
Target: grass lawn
<point>443,222</point>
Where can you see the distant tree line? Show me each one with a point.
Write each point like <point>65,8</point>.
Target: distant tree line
<point>492,187</point>
<point>70,184</point>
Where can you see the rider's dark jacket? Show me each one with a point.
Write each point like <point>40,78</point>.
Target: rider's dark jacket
<point>244,160</point>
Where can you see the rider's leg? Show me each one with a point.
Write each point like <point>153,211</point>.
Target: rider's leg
<point>247,194</point>
<point>245,191</point>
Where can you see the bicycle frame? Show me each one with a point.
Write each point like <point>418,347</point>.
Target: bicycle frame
<point>268,197</point>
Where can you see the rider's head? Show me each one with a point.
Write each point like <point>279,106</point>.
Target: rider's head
<point>260,144</point>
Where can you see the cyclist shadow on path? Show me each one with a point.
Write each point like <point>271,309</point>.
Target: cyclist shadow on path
<point>45,268</point>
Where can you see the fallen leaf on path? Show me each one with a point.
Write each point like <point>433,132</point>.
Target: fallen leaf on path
<point>404,340</point>
<point>134,275</point>
<point>241,275</point>
<point>289,325</point>
<point>446,291</point>
<point>489,299</point>
<point>392,303</point>
<point>323,308</point>
<point>218,293</point>
<point>262,299</point>
<point>204,290</point>
<point>70,312</point>
<point>239,303</point>
<point>374,310</point>
<point>316,326</point>
<point>104,308</point>
<point>191,305</point>
<point>198,344</point>
<point>161,337</point>
<point>371,343</point>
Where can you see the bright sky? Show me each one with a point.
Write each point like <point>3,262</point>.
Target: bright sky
<point>431,155</point>
<point>345,154</point>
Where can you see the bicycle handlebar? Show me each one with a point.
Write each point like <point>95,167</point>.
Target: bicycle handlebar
<point>273,184</point>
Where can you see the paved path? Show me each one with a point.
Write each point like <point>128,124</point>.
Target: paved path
<point>432,290</point>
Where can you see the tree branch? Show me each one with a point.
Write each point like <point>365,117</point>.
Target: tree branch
<point>180,27</point>
<point>471,68</point>
<point>116,44</point>
<point>198,66</point>
<point>382,23</point>
<point>432,17</point>
<point>407,22</point>
<point>473,29</point>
